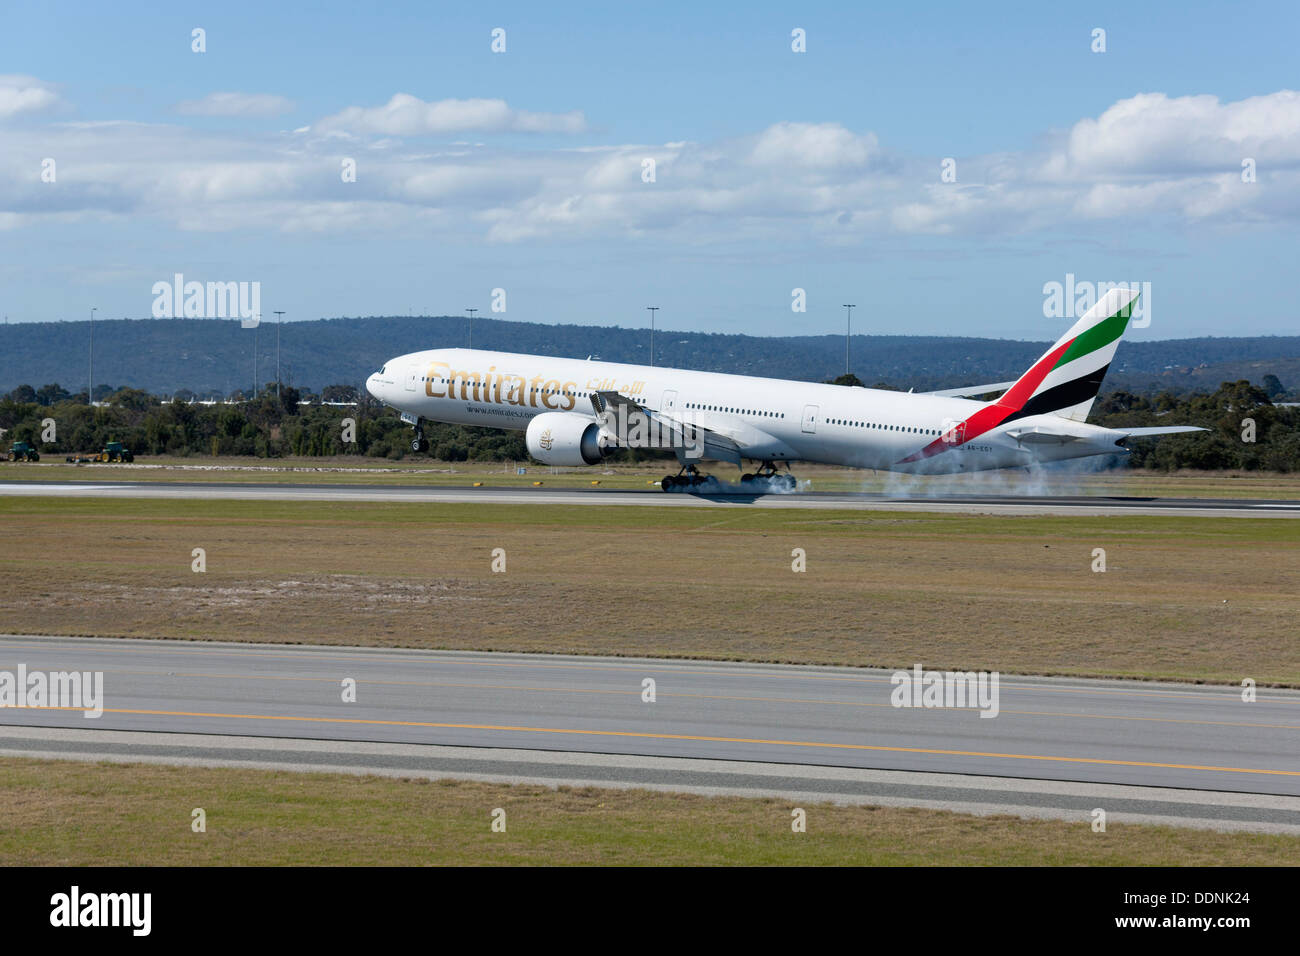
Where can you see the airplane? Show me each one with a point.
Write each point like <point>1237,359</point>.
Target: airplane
<point>576,412</point>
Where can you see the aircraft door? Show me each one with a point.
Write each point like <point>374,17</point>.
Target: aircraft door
<point>810,413</point>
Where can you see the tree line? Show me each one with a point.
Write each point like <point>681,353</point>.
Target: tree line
<point>1246,429</point>
<point>217,356</point>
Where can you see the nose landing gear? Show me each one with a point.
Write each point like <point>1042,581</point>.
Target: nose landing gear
<point>419,444</point>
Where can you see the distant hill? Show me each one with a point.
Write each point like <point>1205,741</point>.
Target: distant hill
<point>164,355</point>
<point>1182,380</point>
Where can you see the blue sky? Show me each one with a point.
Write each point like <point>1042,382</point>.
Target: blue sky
<point>775,170</point>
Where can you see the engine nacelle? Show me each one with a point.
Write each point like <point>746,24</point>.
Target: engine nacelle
<point>555,438</point>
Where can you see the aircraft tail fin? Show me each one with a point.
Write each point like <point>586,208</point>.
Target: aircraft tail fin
<point>1065,381</point>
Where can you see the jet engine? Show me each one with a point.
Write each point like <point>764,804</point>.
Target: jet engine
<point>555,438</point>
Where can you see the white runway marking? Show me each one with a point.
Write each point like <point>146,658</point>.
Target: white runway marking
<point>986,505</point>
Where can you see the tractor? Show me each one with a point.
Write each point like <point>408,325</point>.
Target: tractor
<point>114,451</point>
<point>22,451</point>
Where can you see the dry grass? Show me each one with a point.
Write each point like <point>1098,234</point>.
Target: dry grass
<point>59,813</point>
<point>1186,598</point>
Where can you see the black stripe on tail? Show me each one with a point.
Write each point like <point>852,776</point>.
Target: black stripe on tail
<point>1065,395</point>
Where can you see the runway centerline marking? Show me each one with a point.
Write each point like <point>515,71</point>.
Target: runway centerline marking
<point>636,693</point>
<point>825,745</point>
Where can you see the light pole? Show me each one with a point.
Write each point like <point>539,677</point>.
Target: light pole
<point>90,385</point>
<point>278,313</point>
<point>848,325</point>
<point>652,309</point>
<point>259,322</point>
<point>471,326</point>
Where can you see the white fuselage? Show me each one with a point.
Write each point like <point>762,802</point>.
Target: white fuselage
<point>771,419</point>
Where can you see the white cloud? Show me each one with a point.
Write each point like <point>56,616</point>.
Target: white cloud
<point>406,115</point>
<point>812,145</point>
<point>797,182</point>
<point>236,104</point>
<point>24,94</point>
<point>1152,132</point>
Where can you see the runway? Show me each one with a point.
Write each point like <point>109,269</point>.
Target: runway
<point>1183,754</point>
<point>962,504</point>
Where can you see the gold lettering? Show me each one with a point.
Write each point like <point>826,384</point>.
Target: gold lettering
<point>467,380</point>
<point>507,388</point>
<point>515,390</point>
<point>436,372</point>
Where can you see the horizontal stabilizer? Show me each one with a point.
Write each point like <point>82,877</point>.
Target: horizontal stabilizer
<point>971,390</point>
<point>1054,430</point>
<point>1050,435</point>
<point>1168,430</point>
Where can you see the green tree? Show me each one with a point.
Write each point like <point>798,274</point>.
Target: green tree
<point>50,394</point>
<point>338,393</point>
<point>847,378</point>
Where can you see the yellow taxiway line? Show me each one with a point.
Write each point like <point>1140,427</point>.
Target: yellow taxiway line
<point>696,738</point>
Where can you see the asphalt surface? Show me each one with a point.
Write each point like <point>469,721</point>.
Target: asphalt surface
<point>1183,754</point>
<point>965,504</point>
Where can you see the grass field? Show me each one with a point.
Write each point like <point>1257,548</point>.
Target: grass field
<point>1182,598</point>
<point>68,813</point>
<point>356,470</point>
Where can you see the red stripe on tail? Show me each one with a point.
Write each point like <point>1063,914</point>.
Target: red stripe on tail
<point>991,416</point>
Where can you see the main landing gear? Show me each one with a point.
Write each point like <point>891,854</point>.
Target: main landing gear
<point>767,478</point>
<point>688,477</point>
<point>419,444</point>
<point>763,481</point>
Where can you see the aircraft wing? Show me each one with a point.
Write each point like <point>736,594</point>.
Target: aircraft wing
<point>971,390</point>
<point>689,441</point>
<point>602,402</point>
